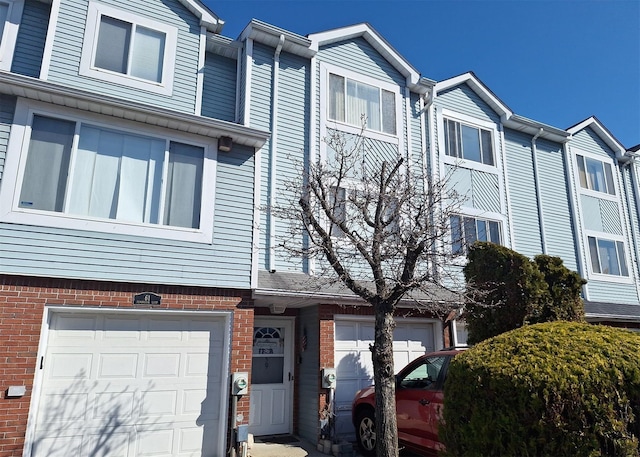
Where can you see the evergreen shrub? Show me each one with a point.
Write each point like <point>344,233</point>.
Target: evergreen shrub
<point>550,389</point>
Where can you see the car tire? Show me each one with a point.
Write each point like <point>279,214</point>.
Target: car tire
<point>366,433</point>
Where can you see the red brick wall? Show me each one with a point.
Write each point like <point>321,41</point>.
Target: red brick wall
<point>22,302</point>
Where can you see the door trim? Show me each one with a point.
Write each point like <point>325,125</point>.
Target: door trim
<point>47,317</point>
<point>262,321</point>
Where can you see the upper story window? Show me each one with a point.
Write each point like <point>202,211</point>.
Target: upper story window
<point>607,256</point>
<point>468,142</point>
<point>127,49</point>
<point>467,230</point>
<point>350,101</point>
<point>10,17</point>
<point>113,179</point>
<point>595,175</point>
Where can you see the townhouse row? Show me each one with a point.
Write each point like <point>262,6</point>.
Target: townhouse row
<point>139,271</point>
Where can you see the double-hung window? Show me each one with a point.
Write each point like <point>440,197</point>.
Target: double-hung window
<point>354,102</point>
<point>10,17</point>
<point>128,49</point>
<point>86,170</point>
<point>607,256</point>
<point>93,173</point>
<point>595,175</point>
<point>468,142</point>
<point>467,230</point>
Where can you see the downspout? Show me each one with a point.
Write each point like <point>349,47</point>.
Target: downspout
<point>536,179</point>
<point>273,153</point>
<point>577,238</point>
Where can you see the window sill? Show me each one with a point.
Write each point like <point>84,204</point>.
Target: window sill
<point>81,223</point>
<point>365,133</point>
<point>470,164</point>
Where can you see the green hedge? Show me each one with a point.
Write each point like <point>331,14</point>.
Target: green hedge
<point>551,389</point>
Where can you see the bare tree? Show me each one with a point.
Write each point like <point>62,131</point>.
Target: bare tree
<point>377,223</point>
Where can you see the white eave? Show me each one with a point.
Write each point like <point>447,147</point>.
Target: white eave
<point>35,89</point>
<point>415,82</point>
<point>480,89</point>
<point>223,46</point>
<point>207,18</point>
<point>602,132</point>
<point>269,35</point>
<point>531,127</point>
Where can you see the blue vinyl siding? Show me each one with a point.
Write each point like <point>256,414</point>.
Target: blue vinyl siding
<point>65,60</point>
<point>478,189</point>
<point>219,88</point>
<point>415,120</point>
<point>463,99</point>
<point>522,195</point>
<point>611,292</point>
<point>42,251</point>
<point>359,56</point>
<point>7,108</point>
<point>587,140</point>
<point>308,390</point>
<point>260,115</point>
<point>292,137</point>
<point>27,57</point>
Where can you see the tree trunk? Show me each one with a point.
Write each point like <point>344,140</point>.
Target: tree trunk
<point>384,379</point>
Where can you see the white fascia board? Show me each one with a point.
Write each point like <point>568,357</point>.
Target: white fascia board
<point>531,127</point>
<point>479,88</point>
<point>414,81</point>
<point>223,46</point>
<point>35,89</point>
<point>602,132</point>
<point>207,19</point>
<point>269,35</point>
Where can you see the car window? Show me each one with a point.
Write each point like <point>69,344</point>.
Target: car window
<point>423,376</point>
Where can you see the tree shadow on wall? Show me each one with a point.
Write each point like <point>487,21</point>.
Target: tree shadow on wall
<point>80,420</point>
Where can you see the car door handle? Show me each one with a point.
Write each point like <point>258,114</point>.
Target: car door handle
<point>424,402</point>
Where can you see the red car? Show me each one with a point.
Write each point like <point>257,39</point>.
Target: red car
<point>419,398</point>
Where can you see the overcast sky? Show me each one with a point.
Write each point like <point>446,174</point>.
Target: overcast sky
<point>556,62</point>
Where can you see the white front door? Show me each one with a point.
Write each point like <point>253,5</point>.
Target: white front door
<point>271,376</point>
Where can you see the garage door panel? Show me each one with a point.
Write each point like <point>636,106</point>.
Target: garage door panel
<point>354,367</point>
<point>118,366</point>
<point>161,365</point>
<point>69,366</point>
<point>148,394</point>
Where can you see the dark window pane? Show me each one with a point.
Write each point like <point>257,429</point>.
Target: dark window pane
<point>624,271</point>
<point>456,235</point>
<point>112,52</point>
<point>593,252</point>
<point>470,144</point>
<point>45,175</point>
<point>609,179</point>
<point>487,147</point>
<point>184,186</point>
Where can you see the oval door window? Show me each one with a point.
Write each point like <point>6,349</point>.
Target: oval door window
<point>267,365</point>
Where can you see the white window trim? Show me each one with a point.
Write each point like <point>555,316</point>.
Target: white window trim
<point>599,158</point>
<point>17,149</point>
<point>96,10</point>
<point>10,33</point>
<point>461,259</point>
<point>601,276</point>
<point>325,69</point>
<point>472,122</point>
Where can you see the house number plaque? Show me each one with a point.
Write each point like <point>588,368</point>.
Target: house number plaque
<point>147,299</point>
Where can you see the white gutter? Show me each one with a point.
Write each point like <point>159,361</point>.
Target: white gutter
<point>273,151</point>
<point>536,179</point>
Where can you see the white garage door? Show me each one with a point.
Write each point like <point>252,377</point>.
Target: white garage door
<point>354,368</point>
<point>129,385</point>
